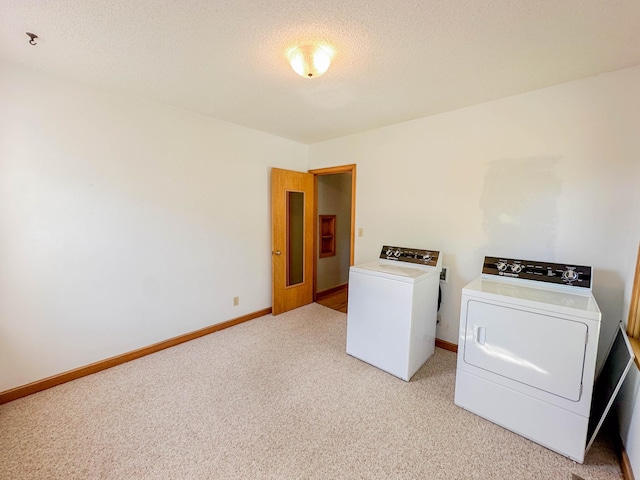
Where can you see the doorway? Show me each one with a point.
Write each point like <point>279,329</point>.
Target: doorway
<point>334,239</point>
<point>301,241</point>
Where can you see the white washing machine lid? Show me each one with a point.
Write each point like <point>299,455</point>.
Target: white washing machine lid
<point>400,271</point>
<point>565,302</point>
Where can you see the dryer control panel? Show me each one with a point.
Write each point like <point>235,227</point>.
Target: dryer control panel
<point>410,255</point>
<point>558,273</point>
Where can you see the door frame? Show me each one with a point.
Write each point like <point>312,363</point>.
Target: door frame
<point>351,168</point>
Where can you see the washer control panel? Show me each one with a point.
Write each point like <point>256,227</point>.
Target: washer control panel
<point>410,255</point>
<point>559,273</point>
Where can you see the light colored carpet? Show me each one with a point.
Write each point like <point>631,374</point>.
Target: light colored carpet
<point>273,398</point>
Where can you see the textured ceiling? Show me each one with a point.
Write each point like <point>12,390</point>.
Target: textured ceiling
<point>395,61</point>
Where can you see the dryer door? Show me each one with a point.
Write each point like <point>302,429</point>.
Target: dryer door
<point>529,347</point>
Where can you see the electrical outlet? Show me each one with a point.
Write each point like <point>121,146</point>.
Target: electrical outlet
<point>444,275</point>
<point>236,301</point>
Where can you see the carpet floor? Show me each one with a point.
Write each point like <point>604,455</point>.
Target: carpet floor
<point>273,398</point>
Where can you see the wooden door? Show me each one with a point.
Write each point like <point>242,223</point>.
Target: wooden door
<point>292,210</point>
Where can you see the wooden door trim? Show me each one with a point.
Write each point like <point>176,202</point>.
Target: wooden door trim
<point>633,322</point>
<point>351,168</point>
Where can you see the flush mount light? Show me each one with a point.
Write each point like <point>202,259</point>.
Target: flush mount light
<point>310,61</point>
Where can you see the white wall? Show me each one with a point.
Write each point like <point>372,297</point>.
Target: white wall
<point>545,175</point>
<point>628,404</point>
<point>123,223</point>
<point>334,198</point>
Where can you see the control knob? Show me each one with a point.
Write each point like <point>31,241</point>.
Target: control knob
<point>516,268</point>
<point>389,252</point>
<point>570,275</point>
<point>426,257</point>
<point>396,253</point>
<point>502,266</point>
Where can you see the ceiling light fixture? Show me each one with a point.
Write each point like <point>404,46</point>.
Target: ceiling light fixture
<point>310,61</point>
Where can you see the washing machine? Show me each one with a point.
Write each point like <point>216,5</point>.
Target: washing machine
<point>527,350</point>
<point>393,304</point>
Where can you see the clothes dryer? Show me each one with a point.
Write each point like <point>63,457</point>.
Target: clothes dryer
<point>527,350</point>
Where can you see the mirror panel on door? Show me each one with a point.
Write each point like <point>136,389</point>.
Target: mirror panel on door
<point>295,238</point>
